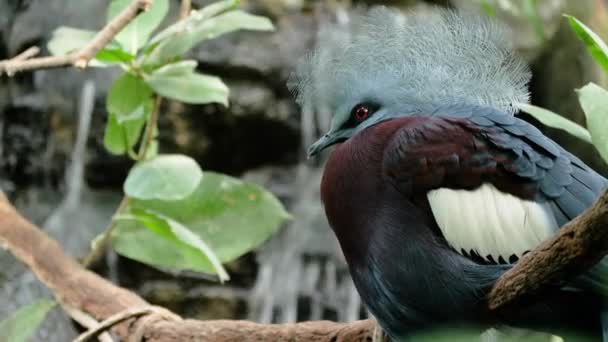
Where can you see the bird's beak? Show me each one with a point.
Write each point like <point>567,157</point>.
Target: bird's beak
<point>321,144</point>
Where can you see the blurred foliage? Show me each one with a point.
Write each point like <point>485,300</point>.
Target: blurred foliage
<point>170,203</point>
<point>230,216</point>
<point>548,118</point>
<point>596,46</point>
<point>592,98</point>
<point>22,324</point>
<point>518,8</point>
<point>173,216</point>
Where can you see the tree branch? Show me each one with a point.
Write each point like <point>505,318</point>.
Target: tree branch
<point>83,290</point>
<point>577,246</point>
<point>184,9</point>
<point>80,58</point>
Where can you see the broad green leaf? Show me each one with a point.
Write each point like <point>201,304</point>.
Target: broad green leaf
<point>231,216</point>
<point>167,177</point>
<point>129,98</point>
<point>201,30</point>
<point>119,138</point>
<point>594,100</point>
<point>190,87</point>
<point>177,68</point>
<point>596,46</point>
<point>137,32</point>
<point>114,56</point>
<point>197,16</point>
<point>66,40</point>
<point>22,324</point>
<point>554,120</point>
<point>216,8</point>
<point>176,233</point>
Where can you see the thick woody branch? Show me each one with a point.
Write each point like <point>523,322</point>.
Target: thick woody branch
<point>77,288</point>
<point>579,245</point>
<point>80,58</point>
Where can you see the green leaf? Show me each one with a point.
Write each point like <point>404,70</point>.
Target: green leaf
<point>119,138</point>
<point>199,30</point>
<point>22,324</point>
<point>176,233</point>
<point>197,16</point>
<point>129,98</point>
<point>594,101</point>
<point>216,8</point>
<point>487,6</point>
<point>190,87</point>
<point>177,68</point>
<point>167,177</point>
<point>137,32</point>
<point>231,216</point>
<point>114,56</point>
<point>66,40</point>
<point>530,10</point>
<point>129,103</point>
<point>547,117</point>
<point>595,45</point>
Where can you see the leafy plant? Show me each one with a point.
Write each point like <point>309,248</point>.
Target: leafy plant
<point>593,98</point>
<point>228,215</point>
<point>174,215</point>
<point>22,324</point>
<point>596,46</point>
<point>527,9</point>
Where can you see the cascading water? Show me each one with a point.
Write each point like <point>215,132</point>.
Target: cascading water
<point>302,274</point>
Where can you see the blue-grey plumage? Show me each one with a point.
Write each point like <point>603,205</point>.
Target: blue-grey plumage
<point>438,188</point>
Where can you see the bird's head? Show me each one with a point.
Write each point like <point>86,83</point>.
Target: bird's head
<point>389,65</point>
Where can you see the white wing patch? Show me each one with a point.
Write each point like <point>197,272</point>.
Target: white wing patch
<point>490,222</point>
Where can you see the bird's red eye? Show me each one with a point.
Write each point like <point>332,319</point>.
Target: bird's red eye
<point>361,113</point>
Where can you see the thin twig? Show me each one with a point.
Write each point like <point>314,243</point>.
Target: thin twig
<point>86,321</point>
<point>117,318</point>
<point>27,54</point>
<point>585,238</point>
<point>80,58</point>
<point>99,247</point>
<point>151,126</point>
<point>184,10</point>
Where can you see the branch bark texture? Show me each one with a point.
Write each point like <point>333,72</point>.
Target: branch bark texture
<point>579,245</point>
<point>80,58</point>
<point>76,287</point>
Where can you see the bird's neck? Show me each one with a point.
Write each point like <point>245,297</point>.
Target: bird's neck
<point>384,235</point>
<point>357,197</point>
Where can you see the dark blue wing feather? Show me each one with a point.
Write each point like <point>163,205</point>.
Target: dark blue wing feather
<point>565,181</point>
